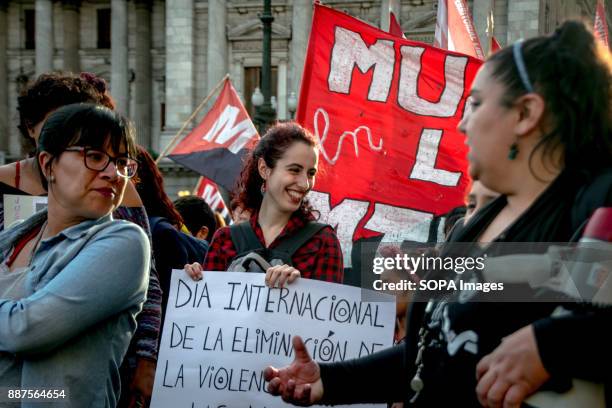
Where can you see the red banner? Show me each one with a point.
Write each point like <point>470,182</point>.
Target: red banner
<point>394,26</point>
<point>455,29</point>
<point>494,46</point>
<point>208,190</point>
<point>216,146</point>
<point>385,110</point>
<point>601,24</point>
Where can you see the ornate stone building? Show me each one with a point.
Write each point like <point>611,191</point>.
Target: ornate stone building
<point>162,58</point>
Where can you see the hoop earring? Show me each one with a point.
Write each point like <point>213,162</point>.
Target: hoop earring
<point>514,150</point>
<point>263,189</point>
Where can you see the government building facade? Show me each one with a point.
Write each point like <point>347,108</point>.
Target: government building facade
<point>162,58</point>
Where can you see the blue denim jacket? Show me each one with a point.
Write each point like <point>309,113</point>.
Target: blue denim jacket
<point>86,285</point>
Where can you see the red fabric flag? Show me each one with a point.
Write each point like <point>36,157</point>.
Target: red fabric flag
<point>394,26</point>
<point>386,111</point>
<point>216,146</point>
<point>208,190</point>
<point>494,45</point>
<point>455,29</point>
<point>601,24</point>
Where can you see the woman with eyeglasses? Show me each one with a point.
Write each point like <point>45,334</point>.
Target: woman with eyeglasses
<point>35,103</point>
<point>72,279</point>
<point>539,134</point>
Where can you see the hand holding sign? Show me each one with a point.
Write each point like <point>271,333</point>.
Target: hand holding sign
<point>221,332</point>
<point>194,270</point>
<point>281,274</point>
<point>298,383</point>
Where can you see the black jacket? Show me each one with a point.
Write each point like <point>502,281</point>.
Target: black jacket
<point>173,249</point>
<point>573,346</point>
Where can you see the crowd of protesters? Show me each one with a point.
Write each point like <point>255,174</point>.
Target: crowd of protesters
<point>538,131</point>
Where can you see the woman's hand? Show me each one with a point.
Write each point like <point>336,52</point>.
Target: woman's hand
<point>194,270</point>
<point>512,372</point>
<point>298,383</point>
<point>281,274</point>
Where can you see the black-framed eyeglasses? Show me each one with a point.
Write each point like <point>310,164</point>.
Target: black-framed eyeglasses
<point>97,160</point>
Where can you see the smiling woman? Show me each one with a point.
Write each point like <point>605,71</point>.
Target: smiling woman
<point>273,186</point>
<point>74,260</point>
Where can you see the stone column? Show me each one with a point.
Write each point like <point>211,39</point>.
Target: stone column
<point>385,7</point>
<point>281,101</point>
<point>70,12</point>
<point>179,66</point>
<point>158,92</point>
<point>216,60</point>
<point>119,55</point>
<point>482,9</point>
<point>44,36</point>
<point>237,75</point>
<point>523,19</point>
<point>301,22</point>
<point>4,115</point>
<point>501,21</point>
<point>142,86</point>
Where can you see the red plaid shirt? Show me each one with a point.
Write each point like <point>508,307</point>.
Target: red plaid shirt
<point>319,258</point>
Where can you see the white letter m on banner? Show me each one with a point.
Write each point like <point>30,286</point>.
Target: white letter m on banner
<point>225,128</point>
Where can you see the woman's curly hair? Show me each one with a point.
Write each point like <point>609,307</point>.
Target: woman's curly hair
<point>270,148</point>
<point>52,91</point>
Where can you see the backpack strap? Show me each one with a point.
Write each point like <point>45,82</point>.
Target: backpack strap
<point>294,242</point>
<point>244,238</point>
<point>245,241</point>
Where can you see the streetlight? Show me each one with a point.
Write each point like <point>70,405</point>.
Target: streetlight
<point>264,114</point>
<point>257,99</point>
<point>292,103</point>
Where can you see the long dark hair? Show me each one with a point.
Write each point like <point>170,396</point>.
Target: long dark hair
<point>150,186</point>
<point>571,72</point>
<point>270,148</point>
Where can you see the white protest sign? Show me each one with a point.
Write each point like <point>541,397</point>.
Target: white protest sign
<point>221,332</point>
<point>20,207</point>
